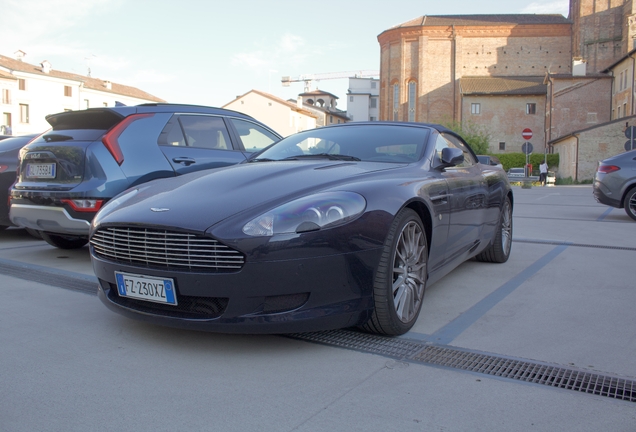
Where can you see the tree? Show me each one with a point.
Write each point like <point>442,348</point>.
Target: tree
<point>477,137</point>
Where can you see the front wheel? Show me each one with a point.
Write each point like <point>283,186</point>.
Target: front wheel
<point>400,279</point>
<point>63,241</point>
<point>630,203</point>
<point>499,250</point>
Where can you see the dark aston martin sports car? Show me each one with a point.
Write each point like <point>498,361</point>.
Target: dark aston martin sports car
<point>334,227</point>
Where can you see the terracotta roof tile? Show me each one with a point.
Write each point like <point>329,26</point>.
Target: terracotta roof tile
<point>89,82</point>
<point>484,20</point>
<point>509,85</point>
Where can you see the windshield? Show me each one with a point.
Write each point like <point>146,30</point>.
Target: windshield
<point>377,143</point>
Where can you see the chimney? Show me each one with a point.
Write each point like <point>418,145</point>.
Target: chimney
<point>108,85</point>
<point>19,55</point>
<point>299,102</point>
<point>46,66</point>
<point>578,67</point>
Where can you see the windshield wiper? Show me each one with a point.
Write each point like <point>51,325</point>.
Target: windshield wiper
<point>261,160</point>
<point>337,157</point>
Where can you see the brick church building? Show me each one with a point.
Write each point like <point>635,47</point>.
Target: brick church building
<point>551,74</point>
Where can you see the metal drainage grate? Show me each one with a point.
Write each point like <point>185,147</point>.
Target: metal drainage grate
<point>521,370</point>
<point>534,372</point>
<point>387,346</point>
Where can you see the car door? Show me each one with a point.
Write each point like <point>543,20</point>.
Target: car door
<point>193,142</point>
<point>467,198</point>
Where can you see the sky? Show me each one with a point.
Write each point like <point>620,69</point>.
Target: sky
<point>208,52</point>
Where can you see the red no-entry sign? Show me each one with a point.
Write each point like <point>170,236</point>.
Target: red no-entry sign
<point>526,134</point>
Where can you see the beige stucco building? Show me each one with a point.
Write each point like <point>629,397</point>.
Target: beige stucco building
<point>283,116</point>
<point>31,92</point>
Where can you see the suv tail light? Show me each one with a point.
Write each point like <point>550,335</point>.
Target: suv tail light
<point>84,205</point>
<point>111,139</point>
<point>607,168</point>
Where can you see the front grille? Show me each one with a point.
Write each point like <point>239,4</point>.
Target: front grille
<point>161,249</point>
<point>187,307</point>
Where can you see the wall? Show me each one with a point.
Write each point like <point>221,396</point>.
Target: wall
<point>436,57</point>
<point>576,103</point>
<point>504,117</point>
<point>278,115</point>
<point>578,159</point>
<point>361,90</point>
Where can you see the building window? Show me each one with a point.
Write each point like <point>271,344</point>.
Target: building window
<point>374,102</point>
<point>68,91</point>
<point>6,96</point>
<point>21,84</point>
<point>372,119</point>
<point>396,100</point>
<point>625,109</point>
<point>105,104</point>
<point>412,100</point>
<point>86,104</point>
<point>6,120</point>
<point>475,108</point>
<point>373,84</point>
<point>531,108</point>
<point>330,119</point>
<point>350,98</point>
<point>24,113</point>
<point>502,145</point>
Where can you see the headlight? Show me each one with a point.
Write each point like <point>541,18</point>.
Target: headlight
<point>323,210</point>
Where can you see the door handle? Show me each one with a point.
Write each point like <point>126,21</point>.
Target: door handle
<point>184,160</point>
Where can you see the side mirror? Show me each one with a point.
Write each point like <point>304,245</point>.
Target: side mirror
<point>452,157</point>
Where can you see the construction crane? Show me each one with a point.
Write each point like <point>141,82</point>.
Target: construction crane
<point>309,78</point>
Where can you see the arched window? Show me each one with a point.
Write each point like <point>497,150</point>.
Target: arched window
<point>412,99</point>
<point>396,101</point>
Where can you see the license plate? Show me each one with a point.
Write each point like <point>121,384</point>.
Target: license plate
<point>148,288</point>
<point>46,171</point>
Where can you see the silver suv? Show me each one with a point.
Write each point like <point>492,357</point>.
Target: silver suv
<point>615,182</point>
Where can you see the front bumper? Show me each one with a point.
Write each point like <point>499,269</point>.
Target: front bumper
<point>297,295</point>
<point>47,218</point>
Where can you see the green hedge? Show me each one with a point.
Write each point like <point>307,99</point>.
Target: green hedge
<point>518,160</point>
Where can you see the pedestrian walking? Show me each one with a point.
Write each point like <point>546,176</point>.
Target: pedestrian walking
<point>543,172</point>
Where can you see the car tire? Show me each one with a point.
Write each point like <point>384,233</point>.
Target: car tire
<point>630,203</point>
<point>63,241</point>
<point>398,292</point>
<point>499,250</point>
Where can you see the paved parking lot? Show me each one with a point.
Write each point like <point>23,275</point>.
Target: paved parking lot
<point>564,303</point>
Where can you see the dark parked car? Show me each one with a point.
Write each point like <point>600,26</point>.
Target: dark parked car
<point>90,156</point>
<point>615,182</point>
<point>333,227</point>
<point>9,149</point>
<point>490,160</point>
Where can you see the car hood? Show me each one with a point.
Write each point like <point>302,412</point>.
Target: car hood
<point>202,199</point>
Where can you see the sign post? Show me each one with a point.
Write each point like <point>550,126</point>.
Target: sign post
<point>630,133</point>
<point>526,148</point>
